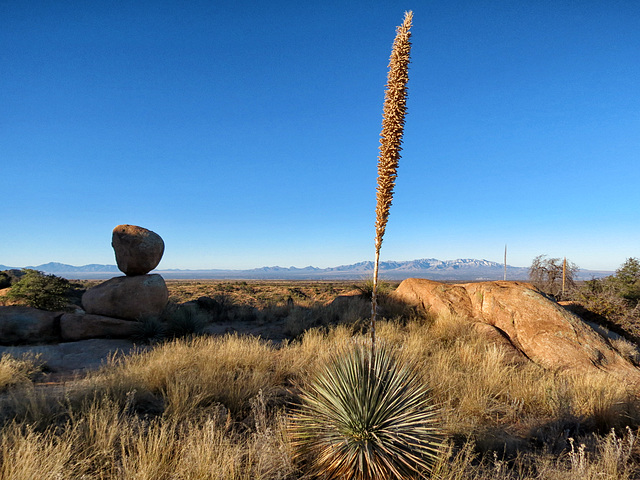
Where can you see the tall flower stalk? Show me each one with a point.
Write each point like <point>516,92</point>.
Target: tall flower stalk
<point>367,415</point>
<point>564,275</point>
<point>505,262</point>
<point>395,108</point>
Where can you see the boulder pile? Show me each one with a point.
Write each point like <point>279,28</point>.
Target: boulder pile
<point>112,309</point>
<point>137,294</point>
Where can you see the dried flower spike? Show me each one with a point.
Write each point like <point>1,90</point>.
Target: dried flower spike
<point>395,108</point>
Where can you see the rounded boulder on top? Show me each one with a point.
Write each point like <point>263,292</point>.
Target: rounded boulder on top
<point>138,250</point>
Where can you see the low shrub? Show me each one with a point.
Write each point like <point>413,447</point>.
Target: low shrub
<point>5,280</point>
<point>39,290</point>
<point>366,289</point>
<point>615,298</point>
<point>184,320</point>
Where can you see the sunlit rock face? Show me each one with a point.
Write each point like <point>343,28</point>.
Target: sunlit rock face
<point>538,327</point>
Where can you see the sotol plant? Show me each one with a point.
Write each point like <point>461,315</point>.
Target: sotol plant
<point>367,415</point>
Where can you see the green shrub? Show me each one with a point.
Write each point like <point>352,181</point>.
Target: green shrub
<point>616,298</point>
<point>366,415</point>
<point>5,280</point>
<point>39,290</point>
<point>184,320</point>
<point>150,330</point>
<point>626,281</point>
<point>366,289</point>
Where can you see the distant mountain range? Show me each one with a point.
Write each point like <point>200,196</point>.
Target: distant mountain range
<point>57,268</point>
<point>431,268</point>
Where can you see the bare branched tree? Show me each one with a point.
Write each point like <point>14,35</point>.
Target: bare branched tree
<point>546,274</point>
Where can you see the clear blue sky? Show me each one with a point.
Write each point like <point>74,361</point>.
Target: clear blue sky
<point>246,133</point>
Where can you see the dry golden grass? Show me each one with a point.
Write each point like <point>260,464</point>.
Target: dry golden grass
<point>609,457</point>
<point>191,375</point>
<point>16,371</point>
<point>104,441</point>
<point>216,408</point>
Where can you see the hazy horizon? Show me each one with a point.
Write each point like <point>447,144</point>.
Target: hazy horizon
<point>301,267</point>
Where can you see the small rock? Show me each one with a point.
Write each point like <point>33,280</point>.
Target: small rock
<point>81,327</point>
<point>138,250</point>
<point>131,298</point>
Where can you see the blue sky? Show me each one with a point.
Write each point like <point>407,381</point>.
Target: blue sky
<point>246,133</point>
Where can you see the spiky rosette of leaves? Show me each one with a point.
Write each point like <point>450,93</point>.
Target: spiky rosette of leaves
<point>366,415</point>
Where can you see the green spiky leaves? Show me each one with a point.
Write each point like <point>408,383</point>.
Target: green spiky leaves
<point>366,416</point>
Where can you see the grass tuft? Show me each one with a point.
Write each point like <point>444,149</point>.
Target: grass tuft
<point>18,371</point>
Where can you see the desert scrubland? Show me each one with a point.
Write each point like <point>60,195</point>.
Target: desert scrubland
<point>200,405</point>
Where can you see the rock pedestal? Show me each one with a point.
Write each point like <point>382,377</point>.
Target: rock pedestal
<point>137,295</point>
<point>132,298</point>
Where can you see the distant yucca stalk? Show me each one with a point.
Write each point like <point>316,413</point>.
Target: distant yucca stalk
<point>564,275</point>
<point>366,415</point>
<point>395,107</point>
<point>505,262</point>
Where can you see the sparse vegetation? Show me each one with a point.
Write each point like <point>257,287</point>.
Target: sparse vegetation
<point>259,294</point>
<point>366,289</point>
<point>615,298</point>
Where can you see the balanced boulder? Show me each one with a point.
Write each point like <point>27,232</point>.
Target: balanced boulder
<point>138,250</point>
<point>131,298</point>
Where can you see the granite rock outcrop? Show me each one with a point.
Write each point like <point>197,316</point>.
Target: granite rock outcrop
<point>535,325</point>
